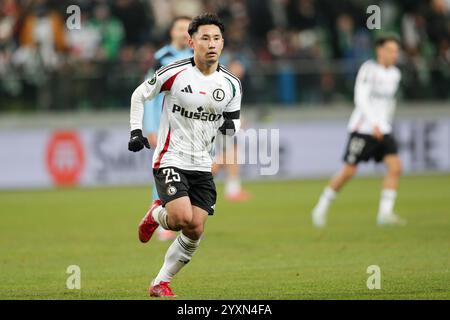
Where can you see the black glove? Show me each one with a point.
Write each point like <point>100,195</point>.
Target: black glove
<point>227,128</point>
<point>137,141</point>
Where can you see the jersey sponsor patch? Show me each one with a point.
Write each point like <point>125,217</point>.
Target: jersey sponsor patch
<point>199,115</point>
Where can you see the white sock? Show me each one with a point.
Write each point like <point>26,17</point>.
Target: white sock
<point>232,186</point>
<point>328,195</point>
<point>160,230</point>
<point>387,202</point>
<point>178,255</point>
<point>159,214</point>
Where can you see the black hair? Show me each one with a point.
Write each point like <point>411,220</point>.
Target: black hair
<point>205,19</point>
<point>381,40</point>
<point>178,19</point>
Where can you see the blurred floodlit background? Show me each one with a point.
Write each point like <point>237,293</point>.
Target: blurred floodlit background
<point>64,94</point>
<point>295,52</point>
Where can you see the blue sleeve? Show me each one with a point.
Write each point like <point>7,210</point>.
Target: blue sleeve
<point>152,114</point>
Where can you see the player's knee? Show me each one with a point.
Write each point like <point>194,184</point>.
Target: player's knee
<point>180,219</point>
<point>198,231</point>
<point>194,232</point>
<point>349,172</point>
<point>396,170</point>
<point>184,220</point>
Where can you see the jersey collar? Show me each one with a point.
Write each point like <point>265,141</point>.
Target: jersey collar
<point>193,64</point>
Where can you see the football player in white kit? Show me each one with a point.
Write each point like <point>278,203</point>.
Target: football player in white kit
<point>201,97</point>
<point>370,128</point>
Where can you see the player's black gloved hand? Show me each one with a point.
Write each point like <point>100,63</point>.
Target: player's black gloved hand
<point>137,141</point>
<point>227,128</point>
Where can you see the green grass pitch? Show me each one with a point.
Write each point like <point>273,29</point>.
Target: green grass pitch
<point>263,249</point>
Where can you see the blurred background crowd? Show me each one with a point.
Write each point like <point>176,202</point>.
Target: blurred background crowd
<point>294,52</point>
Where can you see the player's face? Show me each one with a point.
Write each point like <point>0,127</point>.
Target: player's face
<point>179,33</point>
<point>207,43</point>
<point>388,53</point>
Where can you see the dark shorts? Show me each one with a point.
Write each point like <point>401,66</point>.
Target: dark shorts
<point>363,147</point>
<point>172,183</point>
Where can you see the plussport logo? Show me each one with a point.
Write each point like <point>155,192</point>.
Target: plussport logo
<point>200,114</point>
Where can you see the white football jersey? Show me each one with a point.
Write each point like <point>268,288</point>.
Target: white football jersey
<point>374,98</point>
<point>192,112</point>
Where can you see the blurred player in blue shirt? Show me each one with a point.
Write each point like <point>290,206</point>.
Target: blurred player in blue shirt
<point>178,49</point>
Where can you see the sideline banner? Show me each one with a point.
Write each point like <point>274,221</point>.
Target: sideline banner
<point>99,157</point>
<point>86,157</point>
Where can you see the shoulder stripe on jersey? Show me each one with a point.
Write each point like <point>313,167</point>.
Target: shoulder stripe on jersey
<point>229,72</point>
<point>169,82</point>
<point>172,65</point>
<point>233,76</point>
<point>232,85</point>
<point>175,63</point>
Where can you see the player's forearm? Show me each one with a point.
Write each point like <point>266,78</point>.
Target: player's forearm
<point>153,139</point>
<point>137,108</point>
